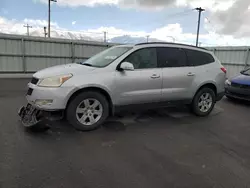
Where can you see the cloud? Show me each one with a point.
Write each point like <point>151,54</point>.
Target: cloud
<point>212,5</point>
<point>233,21</point>
<point>39,23</point>
<point>166,33</point>
<point>16,27</point>
<point>74,22</point>
<point>76,3</point>
<point>228,17</point>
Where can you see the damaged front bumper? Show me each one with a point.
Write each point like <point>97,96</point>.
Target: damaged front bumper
<point>31,116</point>
<point>43,104</point>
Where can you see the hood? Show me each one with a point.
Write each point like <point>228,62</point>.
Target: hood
<point>241,79</point>
<point>73,68</point>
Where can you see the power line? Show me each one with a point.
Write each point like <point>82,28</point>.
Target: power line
<point>213,29</point>
<point>200,10</point>
<point>168,17</point>
<point>28,28</point>
<point>180,13</point>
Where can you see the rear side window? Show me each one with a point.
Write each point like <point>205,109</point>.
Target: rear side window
<point>171,57</point>
<point>197,58</point>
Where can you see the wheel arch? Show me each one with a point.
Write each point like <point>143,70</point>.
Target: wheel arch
<point>104,92</point>
<point>210,85</point>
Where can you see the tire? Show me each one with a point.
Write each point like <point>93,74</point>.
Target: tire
<point>86,113</point>
<point>200,105</point>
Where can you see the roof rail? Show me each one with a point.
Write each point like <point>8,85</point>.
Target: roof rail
<point>170,43</point>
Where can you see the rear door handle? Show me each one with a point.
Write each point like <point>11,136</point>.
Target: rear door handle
<point>155,76</point>
<point>190,74</point>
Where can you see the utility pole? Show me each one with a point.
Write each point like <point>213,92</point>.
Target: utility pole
<point>200,10</point>
<point>45,32</point>
<point>105,36</point>
<point>49,1</point>
<point>148,38</point>
<point>28,28</point>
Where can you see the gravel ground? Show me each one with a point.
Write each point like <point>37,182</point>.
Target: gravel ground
<point>157,148</point>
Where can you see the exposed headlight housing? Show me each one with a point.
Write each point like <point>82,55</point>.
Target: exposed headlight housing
<point>228,82</point>
<point>54,81</point>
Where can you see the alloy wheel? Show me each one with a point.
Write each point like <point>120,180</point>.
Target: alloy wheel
<point>89,111</point>
<point>205,102</point>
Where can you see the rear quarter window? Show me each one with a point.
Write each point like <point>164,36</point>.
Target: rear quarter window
<point>171,57</point>
<point>198,58</point>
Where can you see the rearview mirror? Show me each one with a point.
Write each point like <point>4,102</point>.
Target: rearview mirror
<point>127,66</point>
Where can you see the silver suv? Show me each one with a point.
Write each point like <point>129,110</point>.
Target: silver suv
<point>125,76</point>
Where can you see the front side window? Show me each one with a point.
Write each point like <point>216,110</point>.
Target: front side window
<point>197,58</point>
<point>106,57</point>
<point>143,59</point>
<point>171,57</point>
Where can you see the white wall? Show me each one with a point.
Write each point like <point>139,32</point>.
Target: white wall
<point>28,54</point>
<point>234,59</point>
<point>21,54</point>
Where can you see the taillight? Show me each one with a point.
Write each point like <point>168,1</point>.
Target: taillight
<point>223,69</point>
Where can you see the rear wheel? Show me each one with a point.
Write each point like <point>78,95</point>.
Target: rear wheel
<point>203,102</point>
<point>87,111</point>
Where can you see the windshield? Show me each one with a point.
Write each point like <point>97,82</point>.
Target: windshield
<point>106,57</point>
<point>246,72</point>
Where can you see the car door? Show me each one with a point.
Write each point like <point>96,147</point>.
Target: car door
<point>141,85</point>
<point>177,75</point>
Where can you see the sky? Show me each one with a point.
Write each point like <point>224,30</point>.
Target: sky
<point>224,22</point>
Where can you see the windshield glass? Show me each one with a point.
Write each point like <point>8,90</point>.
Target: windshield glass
<point>106,57</point>
<point>246,72</point>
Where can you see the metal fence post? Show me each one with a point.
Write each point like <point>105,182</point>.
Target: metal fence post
<point>72,52</point>
<point>214,50</point>
<point>246,59</point>
<point>23,55</point>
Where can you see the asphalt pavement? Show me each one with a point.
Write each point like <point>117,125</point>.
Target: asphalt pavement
<point>163,148</point>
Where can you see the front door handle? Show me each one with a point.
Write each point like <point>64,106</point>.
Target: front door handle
<point>190,74</point>
<point>155,76</point>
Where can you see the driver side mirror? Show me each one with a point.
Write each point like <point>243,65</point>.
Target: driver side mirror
<point>127,66</point>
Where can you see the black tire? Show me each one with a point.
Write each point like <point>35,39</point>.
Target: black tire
<point>195,107</point>
<point>71,110</point>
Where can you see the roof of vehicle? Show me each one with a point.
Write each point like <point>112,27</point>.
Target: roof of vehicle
<point>170,43</point>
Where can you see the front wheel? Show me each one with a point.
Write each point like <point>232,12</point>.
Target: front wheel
<point>87,111</point>
<point>203,102</point>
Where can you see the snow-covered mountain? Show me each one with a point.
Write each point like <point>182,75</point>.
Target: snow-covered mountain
<point>70,35</point>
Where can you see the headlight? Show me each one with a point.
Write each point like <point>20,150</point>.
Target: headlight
<point>54,81</point>
<point>228,82</point>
